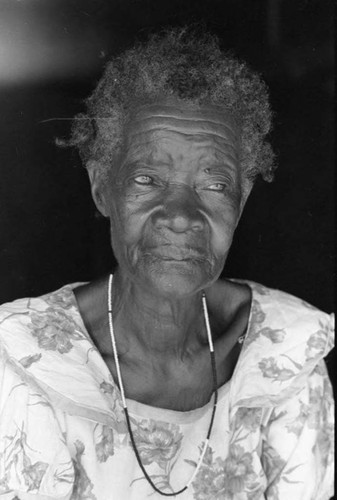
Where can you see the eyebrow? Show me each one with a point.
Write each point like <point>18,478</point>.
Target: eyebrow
<point>219,158</point>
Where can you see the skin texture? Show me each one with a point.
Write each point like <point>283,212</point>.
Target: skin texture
<point>174,200</point>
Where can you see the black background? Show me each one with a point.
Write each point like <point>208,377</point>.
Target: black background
<point>50,231</point>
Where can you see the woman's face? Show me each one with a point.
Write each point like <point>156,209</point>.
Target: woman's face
<point>175,197</point>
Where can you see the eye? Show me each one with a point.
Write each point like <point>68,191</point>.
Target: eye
<point>217,186</point>
<point>144,180</point>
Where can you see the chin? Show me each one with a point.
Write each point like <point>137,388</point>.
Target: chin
<point>178,278</point>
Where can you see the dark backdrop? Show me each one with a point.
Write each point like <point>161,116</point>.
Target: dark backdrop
<point>54,53</point>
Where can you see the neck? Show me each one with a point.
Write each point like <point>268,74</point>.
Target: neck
<point>159,324</point>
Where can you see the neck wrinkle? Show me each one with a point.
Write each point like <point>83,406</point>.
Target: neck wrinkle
<point>160,326</point>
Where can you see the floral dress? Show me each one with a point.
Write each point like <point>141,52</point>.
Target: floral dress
<point>63,433</point>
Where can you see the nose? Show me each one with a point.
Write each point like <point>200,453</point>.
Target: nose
<point>180,212</point>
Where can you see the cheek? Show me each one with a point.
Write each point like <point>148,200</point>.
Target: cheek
<point>134,211</point>
<point>222,232</point>
<point>127,222</point>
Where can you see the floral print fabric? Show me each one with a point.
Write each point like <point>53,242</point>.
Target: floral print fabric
<point>63,433</point>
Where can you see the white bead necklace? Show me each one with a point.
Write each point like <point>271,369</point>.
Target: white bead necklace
<point>121,387</point>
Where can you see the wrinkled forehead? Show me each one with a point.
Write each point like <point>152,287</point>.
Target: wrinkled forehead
<point>209,128</point>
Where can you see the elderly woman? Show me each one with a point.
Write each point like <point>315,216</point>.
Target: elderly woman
<point>164,380</point>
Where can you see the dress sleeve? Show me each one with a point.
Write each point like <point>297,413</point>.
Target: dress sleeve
<point>34,461</point>
<point>297,447</point>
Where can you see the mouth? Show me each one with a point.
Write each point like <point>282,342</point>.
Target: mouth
<point>178,254</point>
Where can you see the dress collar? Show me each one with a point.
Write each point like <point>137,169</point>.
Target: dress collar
<point>46,341</point>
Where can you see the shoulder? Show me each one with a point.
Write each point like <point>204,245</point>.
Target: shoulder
<point>275,309</point>
<point>62,297</point>
<point>24,406</point>
<point>286,339</point>
<point>28,325</point>
<point>43,343</point>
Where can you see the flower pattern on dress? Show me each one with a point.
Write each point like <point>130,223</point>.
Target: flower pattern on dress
<point>105,447</point>
<point>60,299</point>
<point>88,445</point>
<point>83,486</point>
<point>270,369</point>
<point>272,464</point>
<point>33,473</point>
<point>54,330</point>
<point>276,470</point>
<point>276,336</point>
<point>119,423</point>
<point>231,478</point>
<point>316,343</point>
<point>257,317</point>
<point>157,442</point>
<point>296,426</point>
<point>248,419</point>
<point>107,388</point>
<point>18,462</point>
<point>324,444</point>
<point>27,361</point>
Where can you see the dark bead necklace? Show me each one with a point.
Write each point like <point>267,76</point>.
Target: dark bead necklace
<point>215,392</point>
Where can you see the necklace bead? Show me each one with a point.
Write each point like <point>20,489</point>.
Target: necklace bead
<point>127,418</point>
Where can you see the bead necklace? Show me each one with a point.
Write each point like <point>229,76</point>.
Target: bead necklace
<point>121,387</point>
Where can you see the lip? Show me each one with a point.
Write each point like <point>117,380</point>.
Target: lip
<point>178,254</point>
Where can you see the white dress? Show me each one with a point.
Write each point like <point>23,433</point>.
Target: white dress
<point>63,433</point>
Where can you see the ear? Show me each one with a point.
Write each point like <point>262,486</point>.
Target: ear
<point>97,189</point>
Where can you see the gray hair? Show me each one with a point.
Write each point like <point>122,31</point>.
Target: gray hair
<point>185,64</point>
